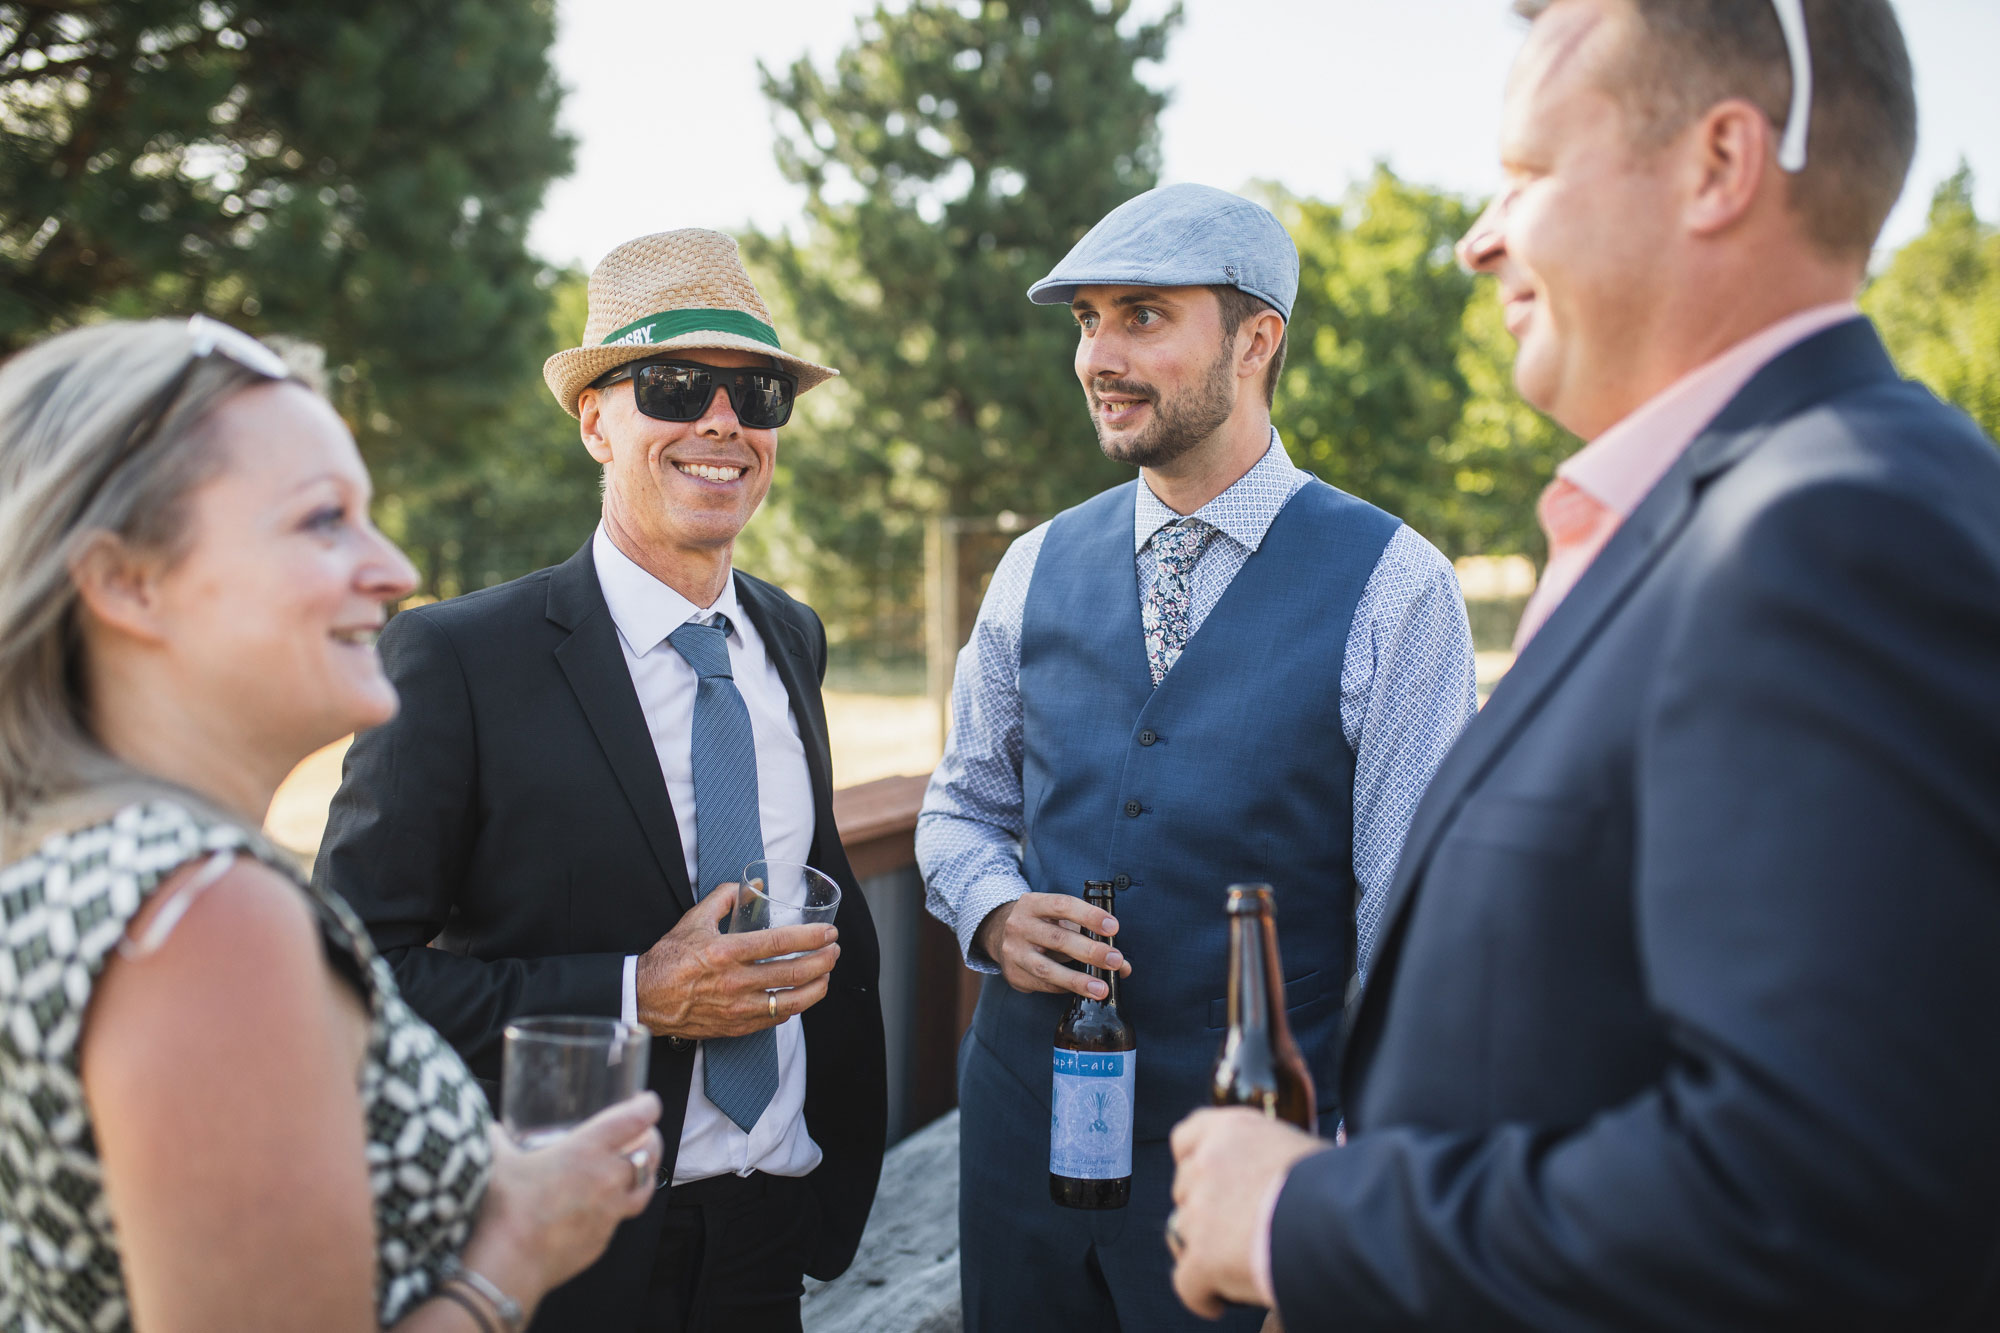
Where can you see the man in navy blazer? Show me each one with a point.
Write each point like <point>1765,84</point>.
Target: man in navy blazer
<point>1683,1014</point>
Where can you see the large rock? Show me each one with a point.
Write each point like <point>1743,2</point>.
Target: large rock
<point>905,1277</point>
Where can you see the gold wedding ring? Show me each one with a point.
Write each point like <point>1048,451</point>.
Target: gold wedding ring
<point>1174,1242</point>
<point>642,1167</point>
<point>772,996</point>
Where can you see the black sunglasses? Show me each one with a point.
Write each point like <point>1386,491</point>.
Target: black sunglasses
<point>682,391</point>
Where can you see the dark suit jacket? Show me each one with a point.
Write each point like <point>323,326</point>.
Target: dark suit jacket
<point>514,812</point>
<point>1687,1009</point>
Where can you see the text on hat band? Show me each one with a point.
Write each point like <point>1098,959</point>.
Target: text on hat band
<point>673,323</point>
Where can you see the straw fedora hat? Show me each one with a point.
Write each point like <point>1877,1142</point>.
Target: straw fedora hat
<point>667,291</point>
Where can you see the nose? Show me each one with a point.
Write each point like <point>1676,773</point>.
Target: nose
<point>1484,242</point>
<point>1099,355</point>
<point>719,421</point>
<point>386,574</point>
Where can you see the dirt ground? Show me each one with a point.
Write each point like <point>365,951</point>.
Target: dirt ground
<point>873,736</point>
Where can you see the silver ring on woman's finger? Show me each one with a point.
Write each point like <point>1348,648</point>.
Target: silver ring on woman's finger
<point>1174,1242</point>
<point>642,1167</point>
<point>772,996</point>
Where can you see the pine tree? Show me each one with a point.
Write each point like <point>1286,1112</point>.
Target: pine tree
<point>360,175</point>
<point>952,154</point>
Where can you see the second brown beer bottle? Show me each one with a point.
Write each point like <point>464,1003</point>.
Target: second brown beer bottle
<point>1260,1064</point>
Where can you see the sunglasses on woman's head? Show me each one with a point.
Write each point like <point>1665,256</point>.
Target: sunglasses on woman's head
<point>206,338</point>
<point>682,391</point>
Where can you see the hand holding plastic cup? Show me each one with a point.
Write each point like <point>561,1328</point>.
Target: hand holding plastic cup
<point>783,893</point>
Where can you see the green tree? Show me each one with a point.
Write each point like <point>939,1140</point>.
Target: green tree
<point>951,155</point>
<point>1938,304</point>
<point>1398,385</point>
<point>360,175</point>
<point>528,498</point>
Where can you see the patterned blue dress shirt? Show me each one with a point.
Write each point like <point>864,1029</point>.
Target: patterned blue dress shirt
<point>1406,688</point>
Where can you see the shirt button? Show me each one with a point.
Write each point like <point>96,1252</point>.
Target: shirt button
<point>1132,808</point>
<point>1121,882</point>
<point>1148,736</point>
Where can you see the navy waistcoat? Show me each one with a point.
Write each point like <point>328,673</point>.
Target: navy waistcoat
<point>1234,769</point>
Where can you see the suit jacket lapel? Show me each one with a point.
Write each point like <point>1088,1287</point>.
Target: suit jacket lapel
<point>786,644</point>
<point>595,666</point>
<point>1845,356</point>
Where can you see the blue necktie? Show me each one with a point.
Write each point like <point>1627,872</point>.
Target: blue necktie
<point>741,1073</point>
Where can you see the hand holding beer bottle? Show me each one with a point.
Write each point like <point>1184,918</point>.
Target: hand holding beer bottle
<point>1090,1102</point>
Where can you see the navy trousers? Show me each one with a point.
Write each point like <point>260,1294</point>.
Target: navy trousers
<point>1027,1265</point>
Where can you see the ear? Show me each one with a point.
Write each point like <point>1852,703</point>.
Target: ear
<point>1257,342</point>
<point>119,587</point>
<point>590,424</point>
<point>1731,153</point>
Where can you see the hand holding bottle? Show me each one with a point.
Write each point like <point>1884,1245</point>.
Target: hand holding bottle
<point>1031,938</point>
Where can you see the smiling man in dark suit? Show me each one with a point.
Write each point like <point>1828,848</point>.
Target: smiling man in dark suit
<point>586,759</point>
<point>1683,1012</point>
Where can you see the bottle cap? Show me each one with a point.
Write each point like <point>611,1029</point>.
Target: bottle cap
<point>1248,898</point>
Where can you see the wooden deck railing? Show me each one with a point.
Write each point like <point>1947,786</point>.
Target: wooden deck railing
<point>928,993</point>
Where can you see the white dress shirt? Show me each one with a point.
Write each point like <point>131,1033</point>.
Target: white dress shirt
<point>646,611</point>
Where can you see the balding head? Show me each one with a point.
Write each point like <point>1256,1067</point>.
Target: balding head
<point>1688,55</point>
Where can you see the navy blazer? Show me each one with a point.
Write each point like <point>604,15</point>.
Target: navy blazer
<point>1687,1010</point>
<point>513,813</point>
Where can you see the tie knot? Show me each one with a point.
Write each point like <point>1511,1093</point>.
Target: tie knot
<point>1177,544</point>
<point>706,647</point>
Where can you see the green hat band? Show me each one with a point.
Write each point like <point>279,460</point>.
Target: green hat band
<point>673,323</point>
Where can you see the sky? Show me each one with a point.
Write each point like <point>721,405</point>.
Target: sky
<point>1307,93</point>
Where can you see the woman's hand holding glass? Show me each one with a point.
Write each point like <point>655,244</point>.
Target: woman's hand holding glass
<point>550,1212</point>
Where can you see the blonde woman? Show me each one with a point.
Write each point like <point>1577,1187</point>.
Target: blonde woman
<point>215,1111</point>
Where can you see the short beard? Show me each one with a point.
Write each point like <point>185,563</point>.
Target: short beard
<point>1179,424</point>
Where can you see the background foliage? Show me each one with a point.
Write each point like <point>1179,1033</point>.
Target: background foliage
<point>362,176</point>
<point>1938,305</point>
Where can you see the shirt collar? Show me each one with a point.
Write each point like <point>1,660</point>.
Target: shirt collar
<point>1243,513</point>
<point>646,610</point>
<point>1621,465</point>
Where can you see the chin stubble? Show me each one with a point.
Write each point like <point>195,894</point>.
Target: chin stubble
<point>1179,423</point>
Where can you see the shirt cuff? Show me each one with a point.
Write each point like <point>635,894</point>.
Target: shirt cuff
<point>628,1004</point>
<point>975,906</point>
<point>1260,1244</point>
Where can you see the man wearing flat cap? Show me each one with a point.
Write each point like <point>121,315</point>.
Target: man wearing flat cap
<point>1222,671</point>
<point>585,761</point>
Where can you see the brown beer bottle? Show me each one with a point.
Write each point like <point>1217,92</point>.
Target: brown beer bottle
<point>1090,1105</point>
<point>1260,1064</point>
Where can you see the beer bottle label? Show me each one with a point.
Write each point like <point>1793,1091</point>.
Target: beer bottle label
<point>1090,1125</point>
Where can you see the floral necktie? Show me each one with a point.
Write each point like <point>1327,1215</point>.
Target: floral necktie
<point>1165,616</point>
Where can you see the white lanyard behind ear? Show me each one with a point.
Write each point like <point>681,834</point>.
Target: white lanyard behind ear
<point>1792,147</point>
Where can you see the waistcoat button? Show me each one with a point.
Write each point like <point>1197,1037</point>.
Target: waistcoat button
<point>1148,736</point>
<point>1133,808</point>
<point>1121,882</point>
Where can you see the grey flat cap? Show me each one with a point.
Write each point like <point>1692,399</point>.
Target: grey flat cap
<point>1181,236</point>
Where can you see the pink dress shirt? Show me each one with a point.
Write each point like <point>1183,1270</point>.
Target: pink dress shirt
<point>1595,490</point>
<point>1619,467</point>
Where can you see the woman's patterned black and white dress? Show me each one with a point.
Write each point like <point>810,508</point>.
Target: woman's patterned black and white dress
<point>63,910</point>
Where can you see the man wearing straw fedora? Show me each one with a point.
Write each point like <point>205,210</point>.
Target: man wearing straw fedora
<point>585,760</point>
